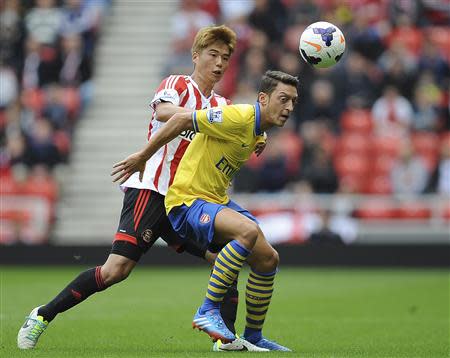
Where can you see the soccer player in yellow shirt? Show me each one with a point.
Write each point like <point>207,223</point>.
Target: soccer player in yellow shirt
<point>198,206</point>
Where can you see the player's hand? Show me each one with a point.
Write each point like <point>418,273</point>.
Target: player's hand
<point>124,169</point>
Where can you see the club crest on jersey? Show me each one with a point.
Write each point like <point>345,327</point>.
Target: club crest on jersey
<point>147,235</point>
<point>205,218</point>
<point>214,115</point>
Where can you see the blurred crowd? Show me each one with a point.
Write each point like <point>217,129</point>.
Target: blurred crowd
<point>377,123</point>
<point>46,54</point>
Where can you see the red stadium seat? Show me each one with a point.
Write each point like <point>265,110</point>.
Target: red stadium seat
<point>386,145</point>
<point>375,209</point>
<point>440,36</point>
<point>33,99</point>
<point>382,164</point>
<point>413,211</point>
<point>445,139</point>
<point>351,165</point>
<point>378,184</point>
<point>357,121</point>
<point>353,144</point>
<point>425,143</point>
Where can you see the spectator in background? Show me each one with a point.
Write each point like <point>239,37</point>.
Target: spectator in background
<point>322,105</point>
<point>54,109</point>
<point>409,174</point>
<point>81,18</point>
<point>440,179</point>
<point>12,34</point>
<point>399,68</point>
<point>39,67</point>
<point>9,89</point>
<point>324,235</point>
<point>269,16</point>
<point>431,60</point>
<point>43,22</point>
<point>253,67</point>
<point>426,112</point>
<point>392,114</point>
<point>41,146</point>
<point>365,38</point>
<point>273,174</point>
<point>356,82</point>
<point>320,172</point>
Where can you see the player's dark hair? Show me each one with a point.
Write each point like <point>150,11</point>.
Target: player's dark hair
<point>210,34</point>
<point>271,79</point>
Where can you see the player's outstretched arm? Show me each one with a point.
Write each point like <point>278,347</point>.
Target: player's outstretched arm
<point>136,162</point>
<point>165,110</point>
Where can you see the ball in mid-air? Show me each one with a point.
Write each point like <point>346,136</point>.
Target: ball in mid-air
<point>322,44</point>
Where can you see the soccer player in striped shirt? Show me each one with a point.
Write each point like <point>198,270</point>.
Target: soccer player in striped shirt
<point>143,218</point>
<point>199,207</point>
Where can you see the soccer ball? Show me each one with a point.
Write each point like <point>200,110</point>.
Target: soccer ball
<point>322,44</point>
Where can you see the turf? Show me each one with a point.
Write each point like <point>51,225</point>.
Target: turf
<point>317,312</point>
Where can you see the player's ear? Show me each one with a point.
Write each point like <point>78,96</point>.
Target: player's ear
<point>195,56</point>
<point>263,98</point>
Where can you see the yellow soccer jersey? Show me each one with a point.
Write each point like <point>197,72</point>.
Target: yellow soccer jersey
<point>226,137</point>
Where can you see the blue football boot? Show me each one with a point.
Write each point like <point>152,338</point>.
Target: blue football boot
<point>271,345</point>
<point>212,323</point>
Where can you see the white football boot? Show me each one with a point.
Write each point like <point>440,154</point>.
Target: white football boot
<point>31,330</point>
<point>238,345</point>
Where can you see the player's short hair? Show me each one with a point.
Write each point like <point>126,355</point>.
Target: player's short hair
<point>271,79</point>
<point>210,34</point>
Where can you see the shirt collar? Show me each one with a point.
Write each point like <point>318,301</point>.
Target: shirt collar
<point>198,89</point>
<point>257,119</point>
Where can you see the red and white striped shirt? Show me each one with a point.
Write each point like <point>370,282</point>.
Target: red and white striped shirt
<point>160,169</point>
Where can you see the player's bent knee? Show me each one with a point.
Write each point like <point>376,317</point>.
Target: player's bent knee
<point>270,262</point>
<point>248,233</point>
<point>115,275</point>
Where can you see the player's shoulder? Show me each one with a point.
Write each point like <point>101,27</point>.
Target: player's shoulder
<point>221,100</point>
<point>175,81</point>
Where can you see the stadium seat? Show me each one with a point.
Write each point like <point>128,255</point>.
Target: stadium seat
<point>350,164</point>
<point>413,211</point>
<point>440,36</point>
<point>352,144</point>
<point>33,99</point>
<point>375,209</point>
<point>357,121</point>
<point>378,184</point>
<point>386,145</point>
<point>425,143</point>
<point>382,164</point>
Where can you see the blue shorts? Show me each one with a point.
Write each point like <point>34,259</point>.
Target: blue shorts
<point>196,222</point>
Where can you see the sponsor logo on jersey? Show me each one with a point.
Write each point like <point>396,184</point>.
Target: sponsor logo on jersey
<point>147,235</point>
<point>188,135</point>
<point>226,168</point>
<point>205,218</point>
<point>214,115</point>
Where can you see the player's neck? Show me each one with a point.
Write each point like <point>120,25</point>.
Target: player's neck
<point>204,86</point>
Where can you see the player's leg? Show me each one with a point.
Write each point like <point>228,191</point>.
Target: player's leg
<point>124,255</point>
<point>263,262</point>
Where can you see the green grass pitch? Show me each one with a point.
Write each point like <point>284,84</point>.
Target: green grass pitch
<point>317,312</point>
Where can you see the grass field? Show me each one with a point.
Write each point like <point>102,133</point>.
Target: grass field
<point>317,312</point>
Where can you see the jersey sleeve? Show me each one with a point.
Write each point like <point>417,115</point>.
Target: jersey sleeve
<point>227,122</point>
<point>171,89</point>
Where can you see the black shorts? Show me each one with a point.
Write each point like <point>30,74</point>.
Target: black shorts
<point>142,221</point>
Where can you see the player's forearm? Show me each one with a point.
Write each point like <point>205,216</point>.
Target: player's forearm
<point>165,110</point>
<point>178,123</point>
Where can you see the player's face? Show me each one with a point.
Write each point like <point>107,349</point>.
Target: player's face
<point>212,62</point>
<point>280,104</point>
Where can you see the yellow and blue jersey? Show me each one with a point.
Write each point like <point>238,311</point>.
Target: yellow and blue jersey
<point>226,137</point>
